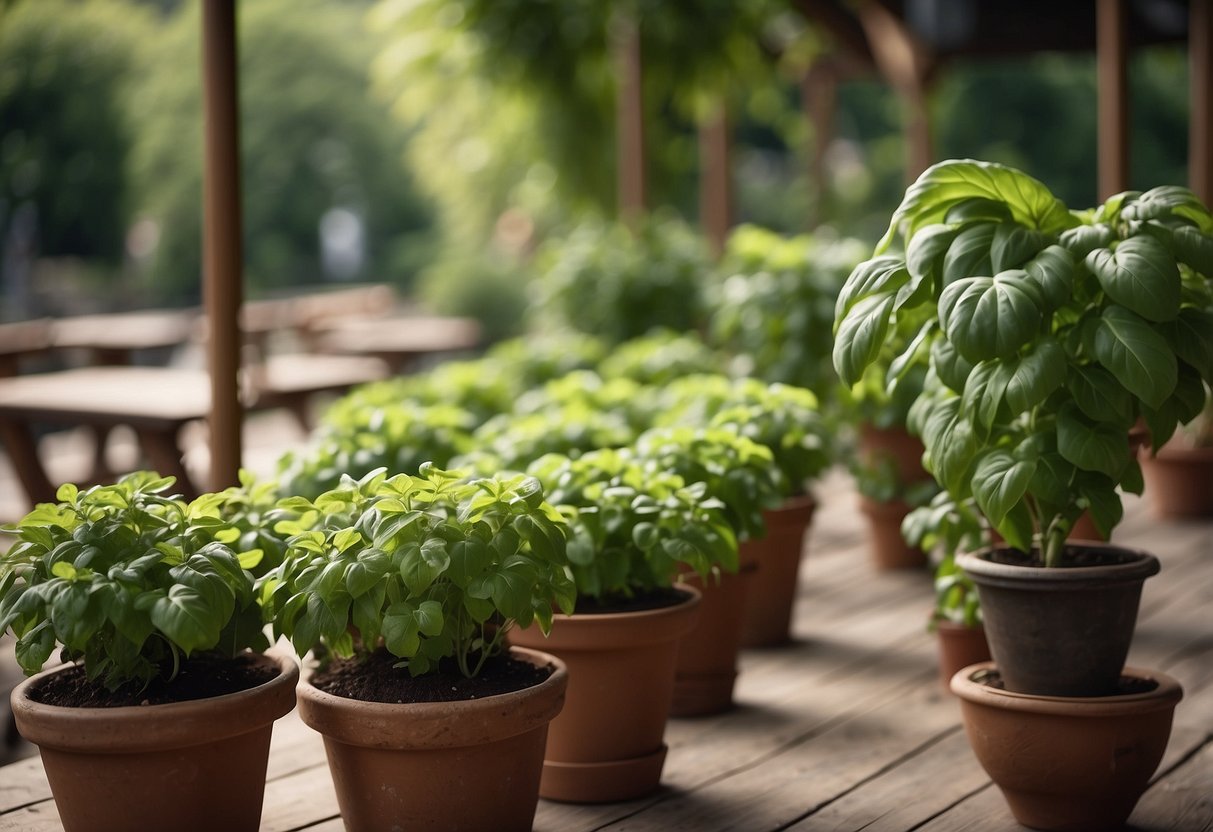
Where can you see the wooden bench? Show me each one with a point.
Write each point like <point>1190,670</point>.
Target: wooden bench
<point>399,341</point>
<point>21,340</point>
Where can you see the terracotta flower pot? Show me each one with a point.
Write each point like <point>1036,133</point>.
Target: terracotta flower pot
<point>191,766</point>
<point>1075,764</point>
<point>1179,481</point>
<point>896,445</point>
<point>767,619</point>
<point>473,764</point>
<point>1061,631</point>
<point>607,743</point>
<point>707,655</point>
<point>959,647</point>
<point>889,549</point>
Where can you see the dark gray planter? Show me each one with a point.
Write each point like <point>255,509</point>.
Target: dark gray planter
<point>1061,631</point>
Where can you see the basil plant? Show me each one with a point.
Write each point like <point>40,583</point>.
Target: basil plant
<point>1052,333</point>
<point>129,580</point>
<point>433,566</point>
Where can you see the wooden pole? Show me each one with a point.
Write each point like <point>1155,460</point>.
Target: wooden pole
<point>1111,58</point>
<point>1200,64</point>
<point>819,102</point>
<point>222,255</point>
<point>715,178</point>
<point>629,113</point>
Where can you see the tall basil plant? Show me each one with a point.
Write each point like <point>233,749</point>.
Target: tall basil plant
<point>1054,332</point>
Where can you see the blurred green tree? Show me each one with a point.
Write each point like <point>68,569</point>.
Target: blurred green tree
<point>313,139</point>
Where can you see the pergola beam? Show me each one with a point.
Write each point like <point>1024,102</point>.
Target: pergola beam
<point>1200,63</point>
<point>715,177</point>
<point>1112,59</point>
<point>222,245</point>
<point>629,114</point>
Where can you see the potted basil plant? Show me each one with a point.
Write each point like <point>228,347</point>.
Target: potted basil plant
<point>1053,333</point>
<point>406,588</point>
<point>633,529</point>
<point>158,623</point>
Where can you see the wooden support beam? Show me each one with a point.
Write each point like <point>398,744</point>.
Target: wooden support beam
<point>716,178</point>
<point>1112,59</point>
<point>907,64</point>
<point>1200,74</point>
<point>222,244</point>
<point>819,102</point>
<point>629,112</point>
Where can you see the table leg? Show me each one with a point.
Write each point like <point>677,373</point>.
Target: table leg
<point>101,469</point>
<point>164,453</point>
<point>22,450</point>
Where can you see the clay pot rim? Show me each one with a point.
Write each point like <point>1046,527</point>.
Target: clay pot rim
<point>668,610</point>
<point>1167,693</point>
<point>417,725</point>
<point>130,728</point>
<point>614,630</point>
<point>954,626</point>
<point>884,508</point>
<point>1181,453</point>
<point>1044,578</point>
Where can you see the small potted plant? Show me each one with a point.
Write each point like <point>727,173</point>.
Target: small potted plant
<point>743,476</point>
<point>159,625</point>
<point>633,530</point>
<point>660,357</point>
<point>785,420</point>
<point>1053,332</point>
<point>512,441</point>
<point>407,587</point>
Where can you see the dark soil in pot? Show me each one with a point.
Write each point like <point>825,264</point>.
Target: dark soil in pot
<point>378,679</point>
<point>1061,631</point>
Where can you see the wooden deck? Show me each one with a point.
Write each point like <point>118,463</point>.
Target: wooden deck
<point>846,729</point>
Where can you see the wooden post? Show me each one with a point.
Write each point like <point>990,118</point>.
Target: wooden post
<point>819,102</point>
<point>629,114</point>
<point>715,178</point>
<point>1111,58</point>
<point>1200,64</point>
<point>222,254</point>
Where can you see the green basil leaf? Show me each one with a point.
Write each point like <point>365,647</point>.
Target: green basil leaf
<point>184,615</point>
<point>860,336</point>
<point>969,254</point>
<point>951,367</point>
<point>1193,249</point>
<point>878,276</point>
<point>1140,274</point>
<point>1000,482</point>
<point>924,262</point>
<point>1084,239</point>
<point>1136,354</point>
<point>991,317</point>
<point>1191,336</point>
<point>1092,445</point>
<point>1053,272</point>
<point>1013,246</point>
<point>1099,395</point>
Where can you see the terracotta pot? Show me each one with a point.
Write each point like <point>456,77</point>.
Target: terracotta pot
<point>607,743</point>
<point>192,766</point>
<point>1062,631</point>
<point>1179,481</point>
<point>959,647</point>
<point>1074,764</point>
<point>767,619</point>
<point>473,764</point>
<point>889,549</point>
<point>707,655</point>
<point>896,445</point>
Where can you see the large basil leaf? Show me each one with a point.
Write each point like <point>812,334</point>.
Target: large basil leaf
<point>1091,445</point>
<point>860,336</point>
<point>1136,354</point>
<point>1169,200</point>
<point>1191,336</point>
<point>1099,395</point>
<point>1181,407</point>
<point>1193,249</point>
<point>978,208</point>
<point>949,439</point>
<point>1140,274</point>
<point>924,262</point>
<point>969,254</point>
<point>1086,238</point>
<point>943,186</point>
<point>1035,375</point>
<point>1102,500</point>
<point>991,317</point>
<point>1000,482</point>
<point>1053,271</point>
<point>878,276</point>
<point>951,367</point>
<point>1014,245</point>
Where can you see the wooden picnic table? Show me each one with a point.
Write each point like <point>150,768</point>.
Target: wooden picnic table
<point>112,338</point>
<point>156,402</point>
<point>847,728</point>
<point>397,340</point>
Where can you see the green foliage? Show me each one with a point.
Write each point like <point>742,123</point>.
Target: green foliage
<point>375,427</point>
<point>775,310</point>
<point>741,474</point>
<point>538,358</point>
<point>1052,333</point>
<point>586,389</point>
<point>477,281</point>
<point>633,527</point>
<point>511,442</point>
<point>660,357</point>
<point>64,132</point>
<point>606,280</point>
<point>784,419</point>
<point>312,138</point>
<point>128,580</point>
<point>247,507</point>
<point>949,527</point>
<point>435,565</point>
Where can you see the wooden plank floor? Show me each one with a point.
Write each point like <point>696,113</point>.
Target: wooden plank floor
<point>848,728</point>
